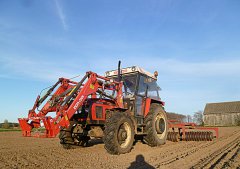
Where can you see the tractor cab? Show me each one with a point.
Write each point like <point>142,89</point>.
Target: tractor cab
<point>138,85</point>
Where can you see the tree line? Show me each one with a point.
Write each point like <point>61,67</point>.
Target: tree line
<point>7,125</point>
<point>197,117</point>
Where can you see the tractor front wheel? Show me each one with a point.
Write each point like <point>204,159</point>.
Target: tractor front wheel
<point>119,133</point>
<point>65,137</point>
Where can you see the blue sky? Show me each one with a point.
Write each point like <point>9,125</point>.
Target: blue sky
<point>194,45</point>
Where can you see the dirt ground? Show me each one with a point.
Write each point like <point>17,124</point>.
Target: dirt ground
<point>21,152</point>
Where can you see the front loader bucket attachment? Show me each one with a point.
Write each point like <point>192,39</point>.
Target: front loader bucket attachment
<point>25,126</point>
<point>51,129</point>
<point>33,127</point>
<point>38,124</point>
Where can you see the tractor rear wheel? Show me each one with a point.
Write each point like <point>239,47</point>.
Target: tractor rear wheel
<point>156,126</point>
<point>119,133</point>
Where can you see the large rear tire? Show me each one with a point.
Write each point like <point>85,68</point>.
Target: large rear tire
<point>119,133</point>
<point>156,126</point>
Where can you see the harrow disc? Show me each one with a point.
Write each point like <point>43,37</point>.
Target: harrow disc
<point>187,136</point>
<point>169,136</point>
<point>206,136</point>
<point>210,136</point>
<point>200,136</point>
<point>173,136</point>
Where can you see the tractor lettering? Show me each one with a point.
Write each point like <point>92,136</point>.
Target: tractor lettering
<point>79,101</point>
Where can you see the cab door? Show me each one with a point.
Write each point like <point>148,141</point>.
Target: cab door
<point>140,97</point>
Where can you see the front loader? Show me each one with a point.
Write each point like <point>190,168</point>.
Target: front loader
<point>38,119</point>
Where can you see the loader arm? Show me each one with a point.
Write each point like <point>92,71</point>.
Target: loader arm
<point>63,90</point>
<point>50,106</point>
<point>80,94</point>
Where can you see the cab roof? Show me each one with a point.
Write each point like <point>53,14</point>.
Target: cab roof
<point>128,70</point>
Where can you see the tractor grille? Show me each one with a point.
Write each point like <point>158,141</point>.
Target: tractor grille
<point>99,112</point>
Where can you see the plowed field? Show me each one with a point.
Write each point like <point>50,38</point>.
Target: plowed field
<point>21,152</point>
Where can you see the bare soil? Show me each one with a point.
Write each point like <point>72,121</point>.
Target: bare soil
<point>21,152</point>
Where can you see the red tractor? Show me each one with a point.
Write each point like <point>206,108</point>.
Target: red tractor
<point>116,107</point>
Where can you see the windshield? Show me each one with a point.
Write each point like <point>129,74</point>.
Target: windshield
<point>149,85</point>
<point>153,90</point>
<point>129,82</point>
<point>146,85</point>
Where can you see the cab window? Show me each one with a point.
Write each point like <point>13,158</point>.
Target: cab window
<point>149,84</point>
<point>142,86</point>
<point>153,90</point>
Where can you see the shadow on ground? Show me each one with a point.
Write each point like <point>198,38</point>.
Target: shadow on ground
<point>140,163</point>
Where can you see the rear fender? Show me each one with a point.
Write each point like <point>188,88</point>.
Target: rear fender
<point>148,103</point>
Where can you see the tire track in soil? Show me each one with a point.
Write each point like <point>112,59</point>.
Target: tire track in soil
<point>233,161</point>
<point>182,154</point>
<point>216,159</point>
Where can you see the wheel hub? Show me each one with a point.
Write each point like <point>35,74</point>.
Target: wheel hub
<point>160,125</point>
<point>122,135</point>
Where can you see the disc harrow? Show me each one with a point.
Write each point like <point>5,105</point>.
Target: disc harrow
<point>191,136</point>
<point>198,136</point>
<point>190,132</point>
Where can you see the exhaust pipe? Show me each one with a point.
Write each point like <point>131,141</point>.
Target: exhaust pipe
<point>119,71</point>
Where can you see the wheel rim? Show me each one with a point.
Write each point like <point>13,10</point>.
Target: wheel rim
<point>124,135</point>
<point>160,125</point>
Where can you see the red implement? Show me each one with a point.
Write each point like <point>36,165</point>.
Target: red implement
<point>38,120</point>
<point>190,132</point>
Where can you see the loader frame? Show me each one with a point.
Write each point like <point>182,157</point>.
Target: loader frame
<point>36,120</point>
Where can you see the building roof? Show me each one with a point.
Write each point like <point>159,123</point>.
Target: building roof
<point>224,107</point>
